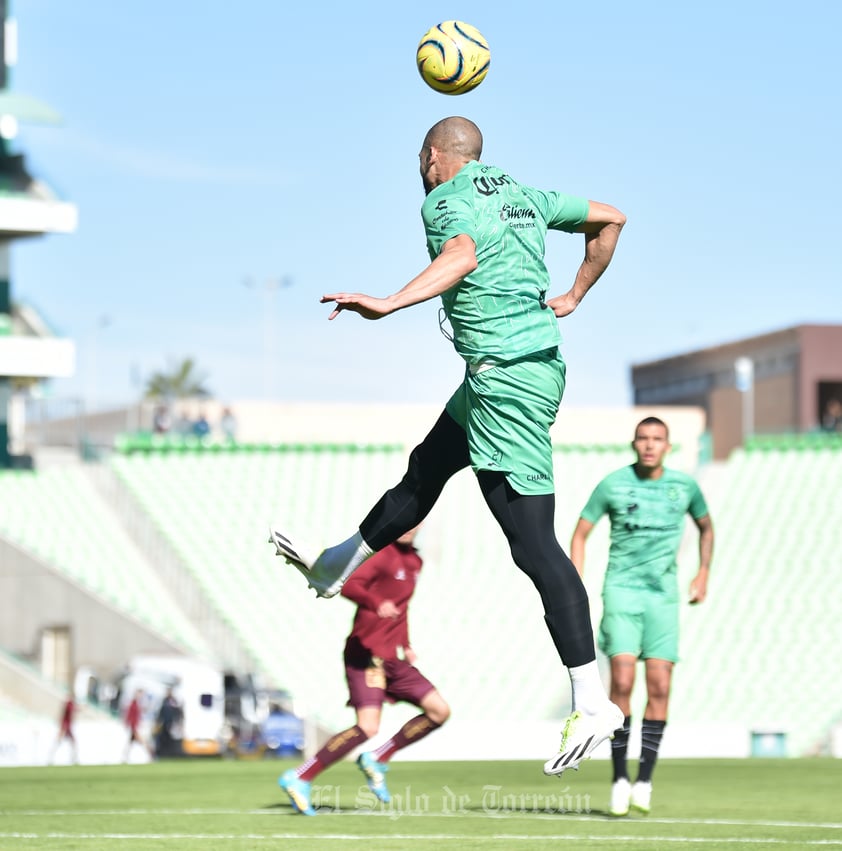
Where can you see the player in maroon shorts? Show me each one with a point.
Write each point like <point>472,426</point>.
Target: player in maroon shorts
<point>379,666</point>
<point>132,718</point>
<point>65,729</point>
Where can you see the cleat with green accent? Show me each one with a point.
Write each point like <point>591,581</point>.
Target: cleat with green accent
<point>298,791</point>
<point>374,774</point>
<point>581,735</point>
<point>641,797</point>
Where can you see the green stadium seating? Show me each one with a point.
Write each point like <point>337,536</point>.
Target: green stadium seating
<point>215,509</point>
<point>757,653</point>
<point>59,517</point>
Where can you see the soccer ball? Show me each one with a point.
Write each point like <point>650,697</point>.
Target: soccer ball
<point>453,57</point>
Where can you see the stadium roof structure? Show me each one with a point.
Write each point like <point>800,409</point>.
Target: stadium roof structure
<point>27,109</point>
<point>29,206</point>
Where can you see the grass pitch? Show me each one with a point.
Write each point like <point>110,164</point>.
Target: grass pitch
<point>186,805</point>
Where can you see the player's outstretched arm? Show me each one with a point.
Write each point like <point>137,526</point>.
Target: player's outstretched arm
<point>602,231</point>
<point>366,306</point>
<point>457,259</point>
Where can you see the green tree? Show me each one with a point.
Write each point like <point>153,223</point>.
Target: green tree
<point>183,380</point>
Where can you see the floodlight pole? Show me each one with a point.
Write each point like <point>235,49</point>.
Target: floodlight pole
<point>270,288</point>
<point>92,365</point>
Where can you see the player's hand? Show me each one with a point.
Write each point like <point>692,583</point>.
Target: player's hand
<point>387,609</point>
<point>698,590</point>
<point>410,655</point>
<point>366,306</point>
<point>563,305</point>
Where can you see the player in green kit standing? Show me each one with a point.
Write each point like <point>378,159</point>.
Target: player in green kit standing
<point>646,504</point>
<point>485,235</point>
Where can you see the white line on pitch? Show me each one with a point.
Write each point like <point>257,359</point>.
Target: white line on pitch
<point>429,837</point>
<point>397,814</point>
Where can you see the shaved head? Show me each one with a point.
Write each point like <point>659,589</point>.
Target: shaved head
<point>456,137</point>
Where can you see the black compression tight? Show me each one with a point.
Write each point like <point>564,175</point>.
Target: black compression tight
<point>528,524</point>
<point>443,452</point>
<point>526,521</point>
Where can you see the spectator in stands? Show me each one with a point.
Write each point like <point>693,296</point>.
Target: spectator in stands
<point>379,666</point>
<point>161,420</point>
<point>65,730</point>
<point>832,417</point>
<point>646,504</point>
<point>201,426</point>
<point>486,236</point>
<point>228,425</point>
<point>167,727</point>
<point>133,716</point>
<point>183,423</point>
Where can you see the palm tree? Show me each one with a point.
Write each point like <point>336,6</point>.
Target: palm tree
<point>182,381</point>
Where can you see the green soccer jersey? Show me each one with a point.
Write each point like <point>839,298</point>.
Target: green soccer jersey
<point>498,312</point>
<point>647,522</point>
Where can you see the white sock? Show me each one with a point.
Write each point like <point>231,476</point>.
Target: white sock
<point>345,558</point>
<point>589,695</point>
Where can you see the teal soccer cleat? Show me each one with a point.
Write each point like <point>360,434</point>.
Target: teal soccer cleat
<point>375,776</point>
<point>298,791</point>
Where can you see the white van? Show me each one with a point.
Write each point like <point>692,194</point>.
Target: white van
<point>199,688</point>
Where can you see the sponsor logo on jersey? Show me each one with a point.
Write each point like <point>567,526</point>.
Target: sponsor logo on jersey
<point>444,217</point>
<point>491,185</point>
<point>518,218</point>
<point>508,212</point>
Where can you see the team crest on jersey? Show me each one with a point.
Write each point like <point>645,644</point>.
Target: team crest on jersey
<point>400,574</point>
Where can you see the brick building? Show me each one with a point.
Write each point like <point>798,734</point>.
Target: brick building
<point>774,383</point>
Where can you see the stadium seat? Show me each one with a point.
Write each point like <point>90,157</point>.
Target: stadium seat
<point>750,655</point>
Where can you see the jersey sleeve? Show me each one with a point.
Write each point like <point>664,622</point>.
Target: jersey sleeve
<point>597,504</point>
<point>560,211</point>
<point>446,216</point>
<point>698,507</point>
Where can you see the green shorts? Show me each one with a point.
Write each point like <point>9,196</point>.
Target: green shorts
<point>507,412</point>
<point>641,623</point>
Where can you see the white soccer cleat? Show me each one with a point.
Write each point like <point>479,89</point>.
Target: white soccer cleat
<point>620,797</point>
<point>306,561</point>
<point>295,554</point>
<point>641,796</point>
<point>581,735</point>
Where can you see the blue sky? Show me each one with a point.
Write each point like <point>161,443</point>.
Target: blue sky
<point>207,143</point>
